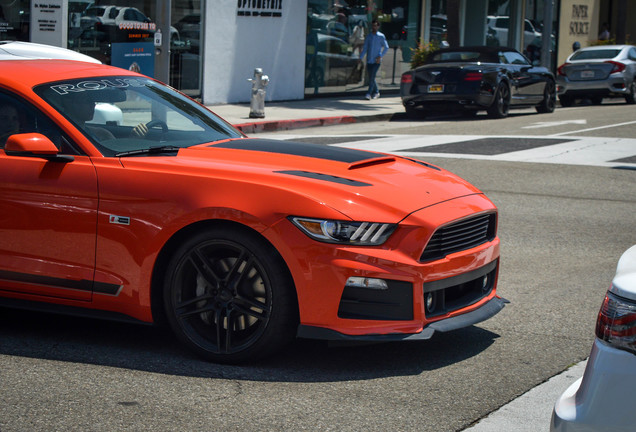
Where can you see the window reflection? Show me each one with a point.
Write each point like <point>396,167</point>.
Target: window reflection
<point>122,34</point>
<point>336,30</point>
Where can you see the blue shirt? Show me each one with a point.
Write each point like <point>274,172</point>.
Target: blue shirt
<point>375,45</point>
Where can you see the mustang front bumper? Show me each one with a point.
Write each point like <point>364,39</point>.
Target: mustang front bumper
<point>424,293</point>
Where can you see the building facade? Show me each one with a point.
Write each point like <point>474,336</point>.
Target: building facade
<point>210,48</point>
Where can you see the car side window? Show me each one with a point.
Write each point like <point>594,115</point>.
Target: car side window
<point>17,116</point>
<point>632,54</point>
<point>515,58</point>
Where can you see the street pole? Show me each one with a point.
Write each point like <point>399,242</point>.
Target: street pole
<point>546,38</point>
<point>162,52</point>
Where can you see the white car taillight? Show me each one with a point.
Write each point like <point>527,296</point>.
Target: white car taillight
<point>616,323</point>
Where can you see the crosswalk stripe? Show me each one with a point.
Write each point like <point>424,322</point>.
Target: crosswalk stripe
<point>572,150</point>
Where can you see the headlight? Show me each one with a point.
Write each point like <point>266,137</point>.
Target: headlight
<point>345,232</point>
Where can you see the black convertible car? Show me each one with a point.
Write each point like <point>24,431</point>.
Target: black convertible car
<point>494,79</point>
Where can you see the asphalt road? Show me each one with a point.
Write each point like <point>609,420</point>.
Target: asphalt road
<point>562,229</point>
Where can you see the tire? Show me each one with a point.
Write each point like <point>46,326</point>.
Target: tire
<point>414,113</point>
<point>630,97</point>
<point>566,101</point>
<point>548,103</point>
<point>228,296</point>
<point>596,100</point>
<point>501,105</point>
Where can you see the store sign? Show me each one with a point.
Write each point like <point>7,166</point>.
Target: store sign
<point>260,8</point>
<point>48,22</point>
<point>580,20</point>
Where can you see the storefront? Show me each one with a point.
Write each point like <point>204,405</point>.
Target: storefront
<point>306,47</point>
<point>336,31</point>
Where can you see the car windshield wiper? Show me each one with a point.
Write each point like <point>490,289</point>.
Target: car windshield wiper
<point>149,151</point>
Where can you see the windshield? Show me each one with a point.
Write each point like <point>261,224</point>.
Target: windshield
<point>124,114</point>
<point>460,56</point>
<point>595,54</point>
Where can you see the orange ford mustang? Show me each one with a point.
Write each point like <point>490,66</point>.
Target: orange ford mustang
<point>121,197</point>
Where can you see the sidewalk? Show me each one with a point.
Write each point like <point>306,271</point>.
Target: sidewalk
<point>311,112</point>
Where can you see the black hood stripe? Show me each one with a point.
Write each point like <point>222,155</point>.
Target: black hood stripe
<point>337,154</point>
<point>325,177</point>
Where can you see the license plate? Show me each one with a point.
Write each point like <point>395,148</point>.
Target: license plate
<point>587,74</point>
<point>436,88</point>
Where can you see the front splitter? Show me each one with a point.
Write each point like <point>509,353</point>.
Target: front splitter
<point>488,310</point>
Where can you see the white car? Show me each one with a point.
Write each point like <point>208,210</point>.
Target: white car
<point>501,25</point>
<point>597,72</point>
<point>121,18</point>
<point>603,399</point>
<point>15,50</point>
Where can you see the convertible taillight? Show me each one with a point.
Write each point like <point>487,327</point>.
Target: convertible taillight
<point>407,78</point>
<point>618,67</point>
<point>560,69</point>
<point>473,76</point>
<point>616,323</point>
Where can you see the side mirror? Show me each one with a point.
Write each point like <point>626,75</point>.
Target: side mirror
<point>34,145</point>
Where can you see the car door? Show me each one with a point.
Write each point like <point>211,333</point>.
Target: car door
<point>527,85</point>
<point>48,215</point>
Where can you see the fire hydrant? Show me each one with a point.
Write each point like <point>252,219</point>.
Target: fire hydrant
<point>257,103</point>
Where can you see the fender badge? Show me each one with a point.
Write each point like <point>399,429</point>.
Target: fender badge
<point>119,220</point>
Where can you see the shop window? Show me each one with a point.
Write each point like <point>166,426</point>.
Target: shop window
<point>122,35</point>
<point>336,31</point>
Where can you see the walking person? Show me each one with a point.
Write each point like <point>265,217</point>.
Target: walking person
<point>375,46</point>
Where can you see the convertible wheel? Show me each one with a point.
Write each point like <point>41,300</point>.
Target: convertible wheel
<point>548,103</point>
<point>630,97</point>
<point>229,297</point>
<point>414,113</point>
<point>501,105</point>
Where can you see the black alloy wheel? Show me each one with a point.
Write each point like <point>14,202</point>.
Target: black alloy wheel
<point>501,104</point>
<point>630,97</point>
<point>229,297</point>
<point>548,103</point>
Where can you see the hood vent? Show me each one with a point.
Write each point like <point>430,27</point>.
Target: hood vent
<point>372,162</point>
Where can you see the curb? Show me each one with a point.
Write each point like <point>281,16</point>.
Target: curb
<point>279,125</point>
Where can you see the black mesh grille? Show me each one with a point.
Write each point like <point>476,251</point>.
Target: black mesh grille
<point>461,235</point>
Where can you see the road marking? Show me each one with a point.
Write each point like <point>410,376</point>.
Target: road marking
<point>596,128</point>
<point>554,123</point>
<point>591,151</point>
